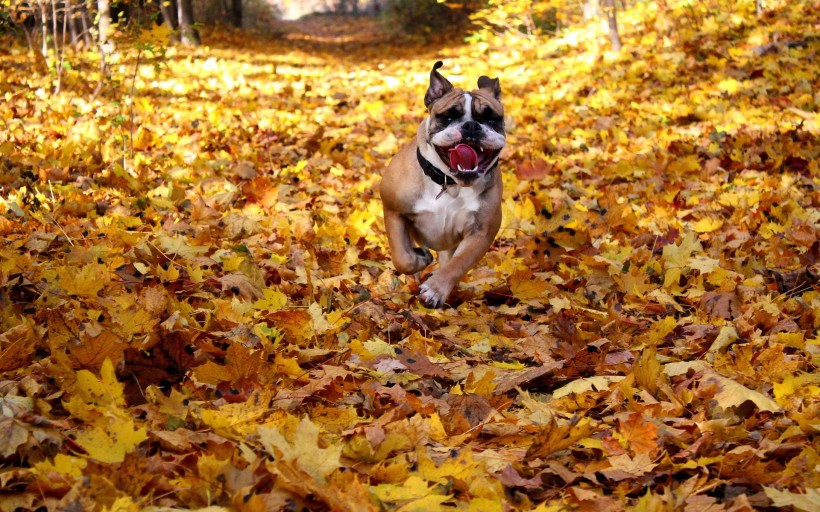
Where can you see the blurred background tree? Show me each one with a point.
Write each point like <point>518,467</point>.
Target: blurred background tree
<point>52,26</point>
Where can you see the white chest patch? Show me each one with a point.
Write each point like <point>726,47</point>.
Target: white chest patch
<point>440,223</point>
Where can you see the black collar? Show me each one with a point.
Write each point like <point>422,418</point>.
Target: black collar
<point>433,172</point>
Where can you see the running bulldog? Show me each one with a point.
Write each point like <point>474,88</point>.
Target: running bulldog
<point>442,191</point>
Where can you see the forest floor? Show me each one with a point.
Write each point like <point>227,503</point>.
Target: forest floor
<point>198,308</point>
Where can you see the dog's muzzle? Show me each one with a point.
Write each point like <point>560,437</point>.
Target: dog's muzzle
<point>469,159</point>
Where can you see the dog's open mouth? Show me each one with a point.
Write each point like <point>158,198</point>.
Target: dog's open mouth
<point>468,160</point>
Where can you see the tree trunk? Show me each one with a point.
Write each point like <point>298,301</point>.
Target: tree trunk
<point>44,28</point>
<point>188,34</point>
<point>59,48</point>
<point>612,19</point>
<point>168,10</point>
<point>104,23</point>
<point>71,20</point>
<point>85,24</point>
<point>234,10</point>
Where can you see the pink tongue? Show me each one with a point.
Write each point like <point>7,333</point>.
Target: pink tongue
<point>464,156</point>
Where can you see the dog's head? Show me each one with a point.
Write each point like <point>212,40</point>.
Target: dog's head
<point>466,129</point>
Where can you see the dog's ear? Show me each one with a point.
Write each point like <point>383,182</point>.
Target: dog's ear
<point>490,84</point>
<point>439,86</point>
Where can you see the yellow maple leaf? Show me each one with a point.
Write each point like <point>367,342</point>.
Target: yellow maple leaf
<point>156,35</point>
<point>555,436</point>
<point>105,390</point>
<point>87,282</point>
<point>732,394</point>
<point>236,421</point>
<point>325,322</point>
<point>109,443</point>
<point>526,287</point>
<point>708,225</point>
<point>729,85</point>
<point>804,502</point>
<point>801,385</point>
<point>462,467</point>
<point>647,370</point>
<point>430,503</point>
<point>125,504</point>
<point>677,257</point>
<point>179,245</point>
<point>273,300</point>
<point>412,488</point>
<point>303,450</point>
<point>63,464</point>
<point>485,505</point>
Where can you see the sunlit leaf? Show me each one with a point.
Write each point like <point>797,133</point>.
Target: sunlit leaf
<point>303,450</point>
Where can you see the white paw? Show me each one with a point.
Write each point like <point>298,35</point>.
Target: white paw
<point>433,294</point>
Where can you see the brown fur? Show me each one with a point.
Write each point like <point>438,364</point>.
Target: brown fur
<point>461,236</point>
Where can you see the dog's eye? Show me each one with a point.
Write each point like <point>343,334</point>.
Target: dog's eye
<point>488,116</point>
<point>450,115</point>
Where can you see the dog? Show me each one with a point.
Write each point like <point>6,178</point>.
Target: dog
<point>442,191</point>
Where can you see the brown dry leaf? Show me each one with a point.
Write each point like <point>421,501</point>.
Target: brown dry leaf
<point>16,347</point>
<point>525,378</point>
<point>420,364</point>
<point>533,170</point>
<point>553,437</point>
<point>13,435</point>
<point>641,435</point>
<point>466,412</point>
<point>297,324</point>
<point>91,351</point>
<point>731,394</point>
<point>623,466</point>
<point>241,286</point>
<point>647,370</point>
<point>721,304</point>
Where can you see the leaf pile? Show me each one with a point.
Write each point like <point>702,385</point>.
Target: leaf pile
<point>198,307</point>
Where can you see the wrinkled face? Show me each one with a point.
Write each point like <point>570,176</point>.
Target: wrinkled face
<point>467,131</point>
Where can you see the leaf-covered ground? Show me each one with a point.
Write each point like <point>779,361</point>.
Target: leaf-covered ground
<point>199,310</point>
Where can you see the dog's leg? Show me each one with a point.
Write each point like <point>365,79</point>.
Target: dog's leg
<point>406,258</point>
<point>469,252</point>
<point>444,257</point>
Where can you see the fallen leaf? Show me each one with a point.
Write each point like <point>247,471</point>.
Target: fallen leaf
<point>304,450</point>
<point>731,394</point>
<point>623,466</point>
<point>805,502</point>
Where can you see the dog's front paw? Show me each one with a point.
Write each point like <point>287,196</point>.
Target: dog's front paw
<point>433,293</point>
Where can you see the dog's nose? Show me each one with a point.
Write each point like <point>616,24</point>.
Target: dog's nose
<point>471,129</point>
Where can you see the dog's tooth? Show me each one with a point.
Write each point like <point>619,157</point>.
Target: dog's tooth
<point>460,169</point>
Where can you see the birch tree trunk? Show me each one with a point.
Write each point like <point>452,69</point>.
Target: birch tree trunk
<point>104,22</point>
<point>188,34</point>
<point>612,20</point>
